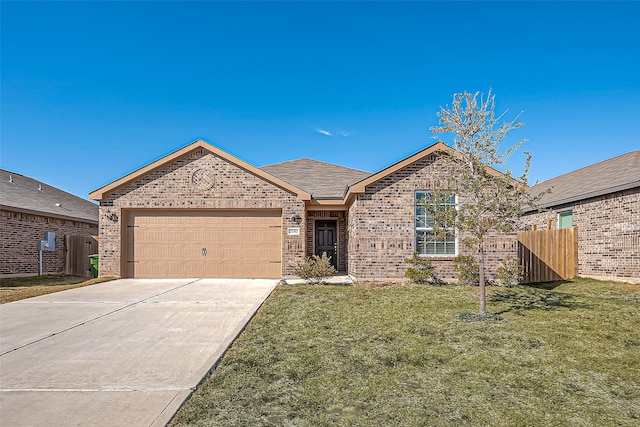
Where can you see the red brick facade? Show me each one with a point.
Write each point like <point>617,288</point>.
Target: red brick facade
<point>375,220</point>
<point>171,187</point>
<point>20,234</point>
<point>381,229</point>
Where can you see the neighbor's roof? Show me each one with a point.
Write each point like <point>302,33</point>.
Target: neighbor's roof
<point>23,194</point>
<point>616,174</point>
<point>322,180</point>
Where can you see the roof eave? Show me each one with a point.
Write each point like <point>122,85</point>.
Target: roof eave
<point>326,204</point>
<point>359,187</point>
<point>99,193</point>
<point>584,196</point>
<point>49,214</point>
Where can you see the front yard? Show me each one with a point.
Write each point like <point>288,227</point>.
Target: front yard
<point>400,355</point>
<point>18,288</point>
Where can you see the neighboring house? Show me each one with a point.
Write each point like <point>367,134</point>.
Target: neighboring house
<point>603,201</point>
<point>28,209</point>
<point>201,212</point>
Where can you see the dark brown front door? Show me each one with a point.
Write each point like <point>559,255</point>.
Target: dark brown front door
<point>326,240</point>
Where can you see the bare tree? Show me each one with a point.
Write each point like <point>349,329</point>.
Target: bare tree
<point>488,201</point>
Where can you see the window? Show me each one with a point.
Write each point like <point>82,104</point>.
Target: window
<point>565,219</point>
<point>426,244</point>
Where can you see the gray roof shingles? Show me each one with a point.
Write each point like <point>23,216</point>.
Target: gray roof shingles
<point>322,180</point>
<point>616,174</point>
<point>23,194</point>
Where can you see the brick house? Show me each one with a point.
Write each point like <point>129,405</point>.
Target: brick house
<point>201,212</point>
<point>603,201</point>
<point>29,208</point>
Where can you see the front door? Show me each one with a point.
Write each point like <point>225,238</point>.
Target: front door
<point>326,240</point>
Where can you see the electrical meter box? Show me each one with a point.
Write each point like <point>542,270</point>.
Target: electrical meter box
<point>49,242</point>
<point>50,237</point>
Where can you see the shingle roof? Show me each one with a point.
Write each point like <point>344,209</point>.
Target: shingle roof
<point>616,174</point>
<point>322,180</point>
<point>23,194</point>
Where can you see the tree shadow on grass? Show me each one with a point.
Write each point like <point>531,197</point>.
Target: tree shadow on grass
<point>533,298</point>
<point>547,285</point>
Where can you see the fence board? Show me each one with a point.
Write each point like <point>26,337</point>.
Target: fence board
<point>548,255</point>
<point>77,251</point>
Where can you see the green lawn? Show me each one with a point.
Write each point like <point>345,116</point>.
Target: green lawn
<point>400,356</point>
<point>17,288</point>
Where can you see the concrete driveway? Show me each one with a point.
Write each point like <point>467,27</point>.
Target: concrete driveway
<point>121,353</point>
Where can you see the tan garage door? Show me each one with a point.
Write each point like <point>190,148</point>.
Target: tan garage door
<point>234,244</point>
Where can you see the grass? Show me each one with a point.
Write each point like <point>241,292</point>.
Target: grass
<point>17,288</point>
<point>568,355</point>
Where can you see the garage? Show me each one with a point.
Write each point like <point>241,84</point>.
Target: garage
<point>203,243</point>
<point>200,212</point>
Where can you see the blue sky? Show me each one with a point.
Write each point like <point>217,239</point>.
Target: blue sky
<point>91,91</point>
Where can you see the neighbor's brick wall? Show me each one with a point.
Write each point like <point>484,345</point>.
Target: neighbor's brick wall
<point>608,233</point>
<point>170,188</point>
<point>19,237</point>
<point>381,230</point>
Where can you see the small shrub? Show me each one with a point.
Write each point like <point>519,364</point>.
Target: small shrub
<point>510,272</point>
<point>315,269</point>
<point>467,268</point>
<point>422,271</point>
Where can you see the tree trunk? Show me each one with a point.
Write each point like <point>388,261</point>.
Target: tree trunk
<point>483,296</point>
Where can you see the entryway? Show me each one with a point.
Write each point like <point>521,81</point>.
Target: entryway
<point>326,240</point>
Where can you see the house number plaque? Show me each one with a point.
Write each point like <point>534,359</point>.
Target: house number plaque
<point>293,231</point>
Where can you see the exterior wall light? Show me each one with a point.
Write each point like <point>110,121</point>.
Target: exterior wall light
<point>111,216</point>
<point>296,218</point>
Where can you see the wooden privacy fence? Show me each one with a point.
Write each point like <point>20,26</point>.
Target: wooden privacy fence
<point>77,250</point>
<point>548,255</point>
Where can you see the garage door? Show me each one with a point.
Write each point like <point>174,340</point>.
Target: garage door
<point>234,244</point>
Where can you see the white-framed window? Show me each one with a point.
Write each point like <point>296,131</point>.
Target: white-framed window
<point>426,243</point>
<point>565,219</point>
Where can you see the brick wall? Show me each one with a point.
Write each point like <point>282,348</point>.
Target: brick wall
<point>19,237</point>
<point>170,187</point>
<point>608,233</point>
<point>381,229</point>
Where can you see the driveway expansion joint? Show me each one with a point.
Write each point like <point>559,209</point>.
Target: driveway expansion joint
<point>154,354</point>
<point>93,319</point>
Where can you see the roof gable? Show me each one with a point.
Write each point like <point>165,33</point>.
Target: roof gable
<point>23,194</point>
<point>616,174</point>
<point>441,147</point>
<point>199,144</point>
<point>322,180</point>
<point>359,187</point>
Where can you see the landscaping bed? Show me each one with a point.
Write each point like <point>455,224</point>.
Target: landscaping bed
<point>403,356</point>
